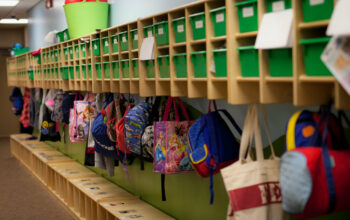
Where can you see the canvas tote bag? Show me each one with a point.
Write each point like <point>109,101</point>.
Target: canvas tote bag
<point>253,186</point>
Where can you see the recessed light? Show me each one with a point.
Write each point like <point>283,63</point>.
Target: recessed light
<point>13,21</point>
<point>8,3</point>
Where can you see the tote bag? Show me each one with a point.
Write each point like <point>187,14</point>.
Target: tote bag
<point>253,186</point>
<point>84,111</point>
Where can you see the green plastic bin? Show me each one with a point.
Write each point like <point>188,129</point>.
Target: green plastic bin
<point>179,25</point>
<point>313,49</point>
<point>164,62</point>
<point>65,52</point>
<point>278,5</point>
<point>59,54</point>
<point>162,33</point>
<point>55,52</point>
<point>180,62</point>
<point>317,10</point>
<point>148,31</point>
<point>96,46</point>
<point>247,15</point>
<point>150,68</point>
<point>83,69</point>
<point>220,59</point>
<point>76,51</point>
<point>115,68</point>
<point>124,43</point>
<point>280,62</point>
<point>249,58</point>
<point>135,66</point>
<point>71,72</point>
<point>198,25</point>
<point>90,70</point>
<point>114,40</point>
<point>107,69</point>
<point>31,74</point>
<point>83,50</point>
<point>77,71</point>
<point>199,62</point>
<point>98,68</point>
<point>65,72</point>
<point>218,17</point>
<point>105,43</point>
<point>88,49</point>
<point>125,68</point>
<point>38,59</point>
<point>62,36</point>
<point>135,39</point>
<point>70,49</point>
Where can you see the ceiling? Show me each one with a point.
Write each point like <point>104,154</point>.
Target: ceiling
<point>19,11</point>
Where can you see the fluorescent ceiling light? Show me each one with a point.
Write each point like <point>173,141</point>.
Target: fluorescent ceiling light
<point>13,21</point>
<point>7,3</point>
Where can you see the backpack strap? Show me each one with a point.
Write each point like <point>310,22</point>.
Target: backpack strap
<point>233,122</point>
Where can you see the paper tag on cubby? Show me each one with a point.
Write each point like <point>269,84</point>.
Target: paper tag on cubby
<point>199,24</point>
<point>95,46</point>
<point>150,34</point>
<point>124,39</point>
<point>220,17</point>
<point>180,28</point>
<point>160,31</point>
<point>136,37</point>
<point>248,12</point>
<point>115,41</point>
<point>316,2</point>
<point>106,43</point>
<point>278,6</point>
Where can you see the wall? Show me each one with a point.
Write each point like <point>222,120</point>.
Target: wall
<point>187,194</point>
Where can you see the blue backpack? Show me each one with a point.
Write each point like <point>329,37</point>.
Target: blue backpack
<point>212,144</point>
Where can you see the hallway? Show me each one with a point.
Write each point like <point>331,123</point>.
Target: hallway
<point>24,192</point>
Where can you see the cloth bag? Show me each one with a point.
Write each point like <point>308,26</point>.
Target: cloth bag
<point>84,111</point>
<point>253,186</point>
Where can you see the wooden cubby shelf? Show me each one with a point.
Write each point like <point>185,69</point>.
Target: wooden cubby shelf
<point>107,61</point>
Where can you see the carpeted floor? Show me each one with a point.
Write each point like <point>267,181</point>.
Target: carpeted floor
<point>22,195</point>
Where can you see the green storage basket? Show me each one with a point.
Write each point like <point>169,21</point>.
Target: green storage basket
<point>162,33</point>
<point>45,73</point>
<point>70,49</point>
<point>76,51</point>
<point>96,46</point>
<point>247,15</point>
<point>83,50</point>
<point>280,62</point>
<point>105,43</point>
<point>179,25</point>
<point>198,26</point>
<point>38,59</point>
<point>218,17</point>
<point>115,68</point>
<point>98,68</point>
<point>199,62</point>
<point>71,72</point>
<point>180,61</point>
<point>124,41</point>
<point>55,52</point>
<point>114,40</point>
<point>90,70</point>
<point>317,10</point>
<point>278,5</point>
<point>148,31</point>
<point>135,66</point>
<point>249,58</point>
<point>313,49</point>
<point>52,73</point>
<point>164,62</point>
<point>84,69</point>
<point>77,71</point>
<point>150,68</point>
<point>31,74</point>
<point>220,59</point>
<point>88,47</point>
<point>84,18</point>
<point>59,54</point>
<point>135,39</point>
<point>65,52</point>
<point>65,72</point>
<point>107,69</point>
<point>125,68</point>
<point>62,36</point>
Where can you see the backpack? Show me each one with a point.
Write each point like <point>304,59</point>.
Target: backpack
<point>57,114</point>
<point>212,144</point>
<point>304,129</point>
<point>67,104</point>
<point>49,129</point>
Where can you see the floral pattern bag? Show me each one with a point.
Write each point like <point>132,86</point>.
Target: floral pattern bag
<point>171,141</point>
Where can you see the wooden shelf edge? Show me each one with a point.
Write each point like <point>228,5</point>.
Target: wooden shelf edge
<point>315,24</point>
<point>245,35</point>
<point>317,79</point>
<point>247,79</point>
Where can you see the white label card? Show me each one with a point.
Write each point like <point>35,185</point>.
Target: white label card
<point>95,46</point>
<point>180,28</point>
<point>115,41</point>
<point>150,34</point>
<point>199,24</point>
<point>316,2</point>
<point>248,12</point>
<point>220,17</point>
<point>65,36</point>
<point>106,43</point>
<point>124,39</point>
<point>160,31</point>
<point>278,6</point>
<point>136,37</point>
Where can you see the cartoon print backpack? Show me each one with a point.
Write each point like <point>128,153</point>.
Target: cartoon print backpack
<point>304,129</point>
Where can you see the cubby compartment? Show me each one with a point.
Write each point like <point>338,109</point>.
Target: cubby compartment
<point>71,72</point>
<point>220,60</point>
<point>150,68</point>
<point>164,63</point>
<point>148,31</point>
<point>105,43</point>
<point>179,26</point>
<point>107,69</point>
<point>70,50</point>
<point>180,62</point>
<point>218,17</point>
<point>249,60</point>
<point>65,72</point>
<point>316,10</point>
<point>83,50</point>
<point>135,39</point>
<point>247,12</point>
<point>115,69</point>
<point>124,41</point>
<point>98,68</point>
<point>114,40</point>
<point>76,51</point>
<point>199,62</point>
<point>125,68</point>
<point>280,62</point>
<point>96,47</point>
<point>135,66</point>
<point>198,26</point>
<point>278,5</point>
<point>162,33</point>
<point>77,71</point>
<point>84,71</point>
